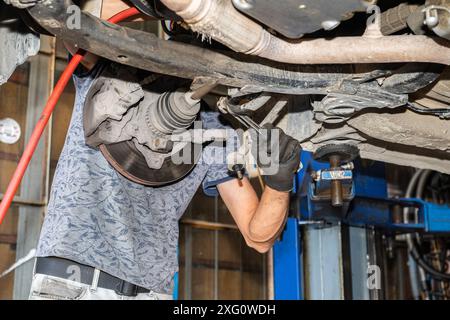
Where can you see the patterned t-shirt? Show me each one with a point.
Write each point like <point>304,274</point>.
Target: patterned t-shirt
<point>99,218</point>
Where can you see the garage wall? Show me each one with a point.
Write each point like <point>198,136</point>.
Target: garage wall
<point>13,104</point>
<point>215,262</point>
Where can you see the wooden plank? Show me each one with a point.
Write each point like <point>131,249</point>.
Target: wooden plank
<point>229,285</point>
<point>202,283</point>
<point>13,101</point>
<point>35,183</point>
<point>47,45</point>
<point>25,202</point>
<point>9,225</point>
<point>6,283</point>
<point>8,238</point>
<point>252,286</point>
<point>200,224</point>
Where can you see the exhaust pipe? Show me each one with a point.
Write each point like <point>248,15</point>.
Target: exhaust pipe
<point>219,20</point>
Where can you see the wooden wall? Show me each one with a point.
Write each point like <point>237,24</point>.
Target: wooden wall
<point>13,103</point>
<point>241,270</point>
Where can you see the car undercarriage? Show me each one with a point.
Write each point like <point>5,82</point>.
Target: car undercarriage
<point>370,74</point>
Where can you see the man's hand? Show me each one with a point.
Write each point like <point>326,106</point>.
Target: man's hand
<point>287,151</point>
<point>261,221</point>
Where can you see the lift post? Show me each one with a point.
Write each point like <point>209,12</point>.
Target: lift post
<point>309,258</point>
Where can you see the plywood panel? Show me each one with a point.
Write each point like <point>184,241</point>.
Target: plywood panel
<point>229,285</point>
<point>35,181</point>
<point>8,253</point>
<point>13,100</point>
<point>9,225</point>
<point>252,286</point>
<point>202,246</point>
<point>252,260</point>
<point>202,283</point>
<point>230,248</point>
<point>8,257</point>
<point>202,207</point>
<point>7,169</point>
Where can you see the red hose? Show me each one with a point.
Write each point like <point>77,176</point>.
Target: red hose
<point>45,116</point>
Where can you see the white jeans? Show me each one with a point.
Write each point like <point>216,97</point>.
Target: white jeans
<point>46,287</point>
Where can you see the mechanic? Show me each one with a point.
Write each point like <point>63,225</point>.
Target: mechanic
<point>105,237</point>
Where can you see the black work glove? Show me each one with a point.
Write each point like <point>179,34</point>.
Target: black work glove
<point>284,154</point>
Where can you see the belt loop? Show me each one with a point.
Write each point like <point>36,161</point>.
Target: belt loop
<point>94,284</point>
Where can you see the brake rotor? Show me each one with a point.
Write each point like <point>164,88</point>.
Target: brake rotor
<point>126,159</point>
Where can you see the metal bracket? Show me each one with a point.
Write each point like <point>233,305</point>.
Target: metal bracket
<point>367,204</point>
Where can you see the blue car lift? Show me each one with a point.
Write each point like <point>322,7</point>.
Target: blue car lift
<point>319,256</point>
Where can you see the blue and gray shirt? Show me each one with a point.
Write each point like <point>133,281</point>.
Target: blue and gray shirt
<point>99,218</point>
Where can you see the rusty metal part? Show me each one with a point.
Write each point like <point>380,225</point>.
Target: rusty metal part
<point>437,17</point>
<point>337,155</point>
<point>219,20</point>
<point>405,127</point>
<point>392,144</point>
<point>145,51</point>
<point>343,50</point>
<point>396,19</point>
<point>404,155</point>
<point>199,93</point>
<point>337,107</point>
<point>436,96</point>
<point>337,195</point>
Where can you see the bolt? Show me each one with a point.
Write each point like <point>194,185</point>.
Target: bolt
<point>315,175</point>
<point>162,145</point>
<point>348,166</point>
<point>238,168</point>
<point>431,18</point>
<point>330,24</point>
<point>243,4</point>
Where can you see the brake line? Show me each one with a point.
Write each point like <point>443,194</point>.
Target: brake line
<point>45,116</point>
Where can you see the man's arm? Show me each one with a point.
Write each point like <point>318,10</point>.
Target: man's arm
<point>261,221</point>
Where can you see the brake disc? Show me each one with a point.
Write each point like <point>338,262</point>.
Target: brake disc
<point>129,162</point>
